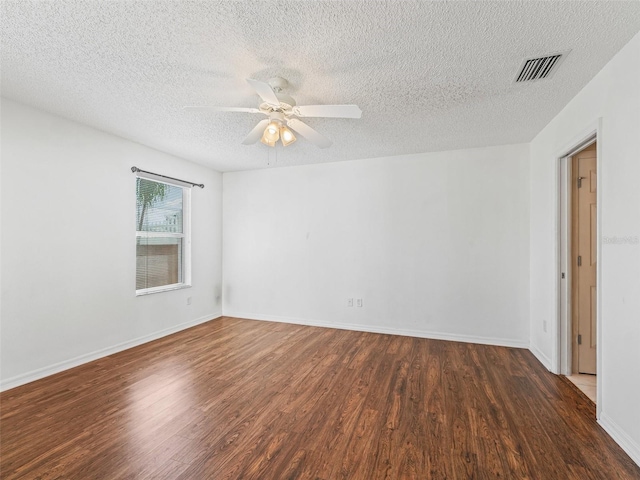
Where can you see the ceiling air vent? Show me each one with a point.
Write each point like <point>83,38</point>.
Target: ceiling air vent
<point>539,68</point>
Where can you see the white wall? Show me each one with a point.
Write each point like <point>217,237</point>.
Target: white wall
<point>68,245</point>
<point>614,96</point>
<point>435,244</point>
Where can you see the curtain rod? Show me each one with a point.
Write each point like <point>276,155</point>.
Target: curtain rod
<point>136,169</point>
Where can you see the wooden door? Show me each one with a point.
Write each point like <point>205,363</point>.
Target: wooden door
<point>584,256</point>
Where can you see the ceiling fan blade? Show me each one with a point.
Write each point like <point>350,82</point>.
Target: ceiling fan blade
<point>265,91</point>
<point>256,133</point>
<point>335,111</point>
<point>309,133</point>
<point>222,109</point>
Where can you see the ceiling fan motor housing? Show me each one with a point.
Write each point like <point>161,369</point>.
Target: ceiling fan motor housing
<point>277,117</point>
<point>278,84</point>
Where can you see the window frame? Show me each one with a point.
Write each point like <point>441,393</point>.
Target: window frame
<point>185,236</point>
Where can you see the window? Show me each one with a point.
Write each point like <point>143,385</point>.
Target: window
<point>162,236</point>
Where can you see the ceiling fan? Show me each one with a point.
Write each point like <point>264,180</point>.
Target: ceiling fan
<point>283,114</point>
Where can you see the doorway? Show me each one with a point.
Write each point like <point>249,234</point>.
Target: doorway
<point>582,265</point>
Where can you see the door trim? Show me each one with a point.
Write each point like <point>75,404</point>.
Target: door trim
<point>562,341</point>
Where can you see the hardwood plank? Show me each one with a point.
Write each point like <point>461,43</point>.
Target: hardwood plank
<point>241,399</point>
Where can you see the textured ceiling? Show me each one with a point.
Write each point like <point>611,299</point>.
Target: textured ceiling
<point>427,75</point>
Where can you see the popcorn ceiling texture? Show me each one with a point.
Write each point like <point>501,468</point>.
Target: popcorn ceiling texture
<point>428,76</point>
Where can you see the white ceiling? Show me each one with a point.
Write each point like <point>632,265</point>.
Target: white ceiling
<point>428,76</point>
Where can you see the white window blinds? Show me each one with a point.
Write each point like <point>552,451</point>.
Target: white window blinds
<point>162,235</point>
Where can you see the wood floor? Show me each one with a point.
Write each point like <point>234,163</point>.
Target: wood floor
<point>242,399</point>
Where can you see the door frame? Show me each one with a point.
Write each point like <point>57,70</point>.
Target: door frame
<point>562,343</point>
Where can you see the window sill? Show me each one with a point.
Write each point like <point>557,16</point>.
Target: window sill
<point>165,288</point>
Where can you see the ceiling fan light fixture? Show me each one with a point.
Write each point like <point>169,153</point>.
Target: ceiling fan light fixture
<point>286,136</point>
<point>271,134</point>
<point>273,128</point>
<point>269,143</point>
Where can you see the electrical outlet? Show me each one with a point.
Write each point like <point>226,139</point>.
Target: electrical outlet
<point>359,302</point>
<point>349,302</point>
<point>544,325</point>
<point>188,300</point>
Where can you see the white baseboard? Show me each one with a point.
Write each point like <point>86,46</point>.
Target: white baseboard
<point>502,342</point>
<point>542,358</point>
<point>620,437</point>
<point>89,357</point>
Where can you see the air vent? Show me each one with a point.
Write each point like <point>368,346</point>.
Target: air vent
<point>539,68</point>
